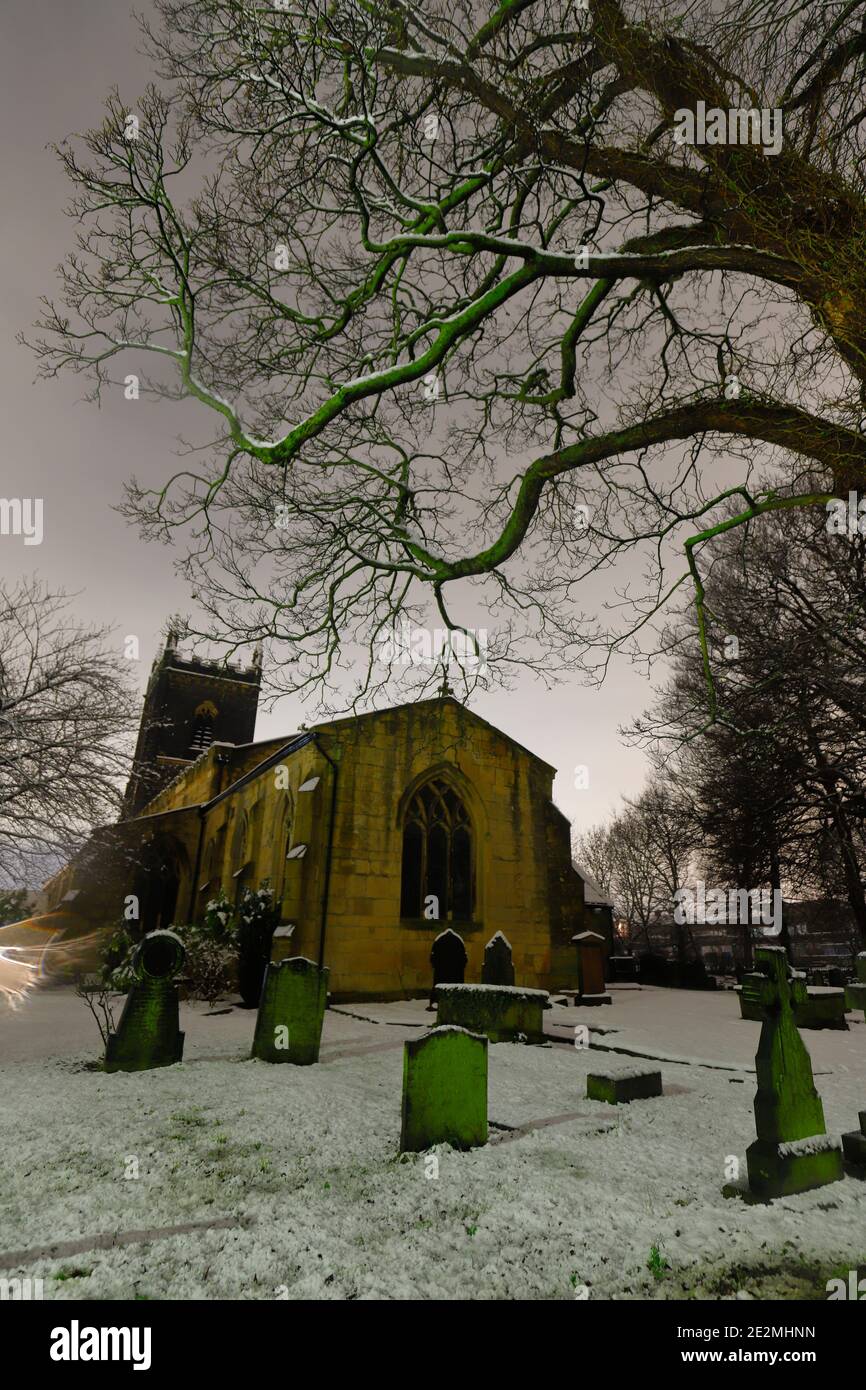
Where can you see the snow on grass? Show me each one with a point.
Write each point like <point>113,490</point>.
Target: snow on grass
<point>305,1159</point>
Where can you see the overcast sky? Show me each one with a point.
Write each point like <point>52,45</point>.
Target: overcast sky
<point>59,60</point>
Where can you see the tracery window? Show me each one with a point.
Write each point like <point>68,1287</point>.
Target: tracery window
<point>437,854</point>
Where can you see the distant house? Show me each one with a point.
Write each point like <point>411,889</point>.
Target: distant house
<point>820,933</point>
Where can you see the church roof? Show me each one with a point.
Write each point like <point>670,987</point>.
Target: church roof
<point>593,894</point>
<point>434,700</point>
<point>279,745</point>
<point>382,713</point>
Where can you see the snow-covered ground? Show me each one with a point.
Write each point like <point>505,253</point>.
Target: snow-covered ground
<point>289,1182</point>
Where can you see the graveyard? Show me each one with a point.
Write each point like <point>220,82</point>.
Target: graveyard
<point>226,1176</point>
<point>432,719</point>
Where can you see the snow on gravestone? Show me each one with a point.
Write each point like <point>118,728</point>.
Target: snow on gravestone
<point>289,1021</point>
<point>793,1151</point>
<point>444,1090</point>
<point>498,967</point>
<point>448,958</point>
<point>502,1013</point>
<point>621,1085</point>
<point>148,1034</point>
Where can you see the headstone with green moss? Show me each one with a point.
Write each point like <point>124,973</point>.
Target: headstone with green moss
<point>793,1151</point>
<point>148,1034</point>
<point>502,1013</point>
<point>444,1090</point>
<point>292,1008</point>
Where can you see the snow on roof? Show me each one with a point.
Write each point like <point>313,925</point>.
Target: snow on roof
<point>593,893</point>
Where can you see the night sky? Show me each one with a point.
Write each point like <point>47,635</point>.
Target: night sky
<point>58,63</point>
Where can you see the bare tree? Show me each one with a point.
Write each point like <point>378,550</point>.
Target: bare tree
<point>67,711</point>
<point>671,835</point>
<point>777,785</point>
<point>638,883</point>
<point>459,288</point>
<point>594,851</point>
<point>623,853</point>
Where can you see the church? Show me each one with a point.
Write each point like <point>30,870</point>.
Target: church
<point>375,833</point>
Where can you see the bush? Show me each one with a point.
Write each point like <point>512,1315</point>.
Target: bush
<point>211,963</point>
<point>258,917</point>
<point>211,951</point>
<point>229,945</point>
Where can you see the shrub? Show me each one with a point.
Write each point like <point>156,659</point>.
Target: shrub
<point>258,917</point>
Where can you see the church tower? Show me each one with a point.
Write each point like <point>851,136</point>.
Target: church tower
<point>189,704</point>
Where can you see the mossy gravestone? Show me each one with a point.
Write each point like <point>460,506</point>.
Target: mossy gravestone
<point>793,1151</point>
<point>148,1034</point>
<point>289,1021</point>
<point>444,1090</point>
<point>501,1012</point>
<point>498,967</point>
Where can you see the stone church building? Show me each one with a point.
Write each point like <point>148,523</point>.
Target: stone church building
<point>375,833</point>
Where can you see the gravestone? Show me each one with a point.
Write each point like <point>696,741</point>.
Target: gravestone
<point>444,1090</point>
<point>625,968</point>
<point>498,967</point>
<point>624,1084</point>
<point>590,968</point>
<point>503,1013</point>
<point>855,993</point>
<point>448,958</point>
<point>854,1143</point>
<point>817,1006</point>
<point>793,1151</point>
<point>148,1034</point>
<point>289,1021</point>
<point>254,953</point>
<point>814,1006</point>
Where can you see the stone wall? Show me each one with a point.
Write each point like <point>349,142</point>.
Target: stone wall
<point>525,885</point>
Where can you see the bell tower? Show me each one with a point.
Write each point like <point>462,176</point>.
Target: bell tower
<point>189,704</point>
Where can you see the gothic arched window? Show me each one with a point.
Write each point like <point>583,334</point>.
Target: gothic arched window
<point>242,856</point>
<point>284,842</point>
<point>437,854</point>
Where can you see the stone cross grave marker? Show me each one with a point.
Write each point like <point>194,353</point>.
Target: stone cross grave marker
<point>292,1008</point>
<point>793,1151</point>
